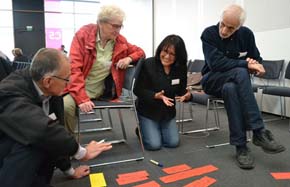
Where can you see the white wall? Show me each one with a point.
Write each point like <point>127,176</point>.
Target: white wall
<point>269,20</point>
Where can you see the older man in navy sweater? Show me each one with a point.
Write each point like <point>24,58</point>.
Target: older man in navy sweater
<point>231,55</point>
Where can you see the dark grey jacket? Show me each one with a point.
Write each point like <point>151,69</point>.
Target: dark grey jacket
<point>23,119</point>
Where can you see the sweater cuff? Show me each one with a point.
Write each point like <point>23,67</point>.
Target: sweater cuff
<point>81,153</point>
<point>69,172</point>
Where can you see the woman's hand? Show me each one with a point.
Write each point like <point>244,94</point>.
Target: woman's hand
<point>86,106</point>
<point>185,97</point>
<point>123,63</point>
<point>166,100</point>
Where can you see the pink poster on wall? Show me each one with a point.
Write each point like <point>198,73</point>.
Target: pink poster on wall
<point>53,37</point>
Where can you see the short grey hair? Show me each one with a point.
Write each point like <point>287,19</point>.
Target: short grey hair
<point>45,61</point>
<point>109,12</point>
<point>238,11</point>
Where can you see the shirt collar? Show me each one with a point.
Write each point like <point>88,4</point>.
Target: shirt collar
<point>40,93</point>
<point>98,36</point>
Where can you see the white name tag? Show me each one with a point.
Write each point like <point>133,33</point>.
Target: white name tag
<point>52,116</point>
<point>175,81</point>
<point>242,54</point>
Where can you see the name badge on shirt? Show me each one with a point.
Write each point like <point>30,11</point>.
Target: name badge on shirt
<point>175,81</point>
<point>52,116</point>
<point>242,54</point>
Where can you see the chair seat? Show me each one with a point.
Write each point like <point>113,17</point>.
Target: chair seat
<point>202,98</point>
<point>277,90</point>
<point>111,104</point>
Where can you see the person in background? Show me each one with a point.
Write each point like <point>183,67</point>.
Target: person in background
<point>5,66</point>
<point>33,139</point>
<point>99,56</point>
<point>231,55</point>
<point>18,55</point>
<point>62,49</point>
<point>161,82</point>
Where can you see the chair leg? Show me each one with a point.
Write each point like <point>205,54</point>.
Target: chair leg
<point>78,123</point>
<point>289,125</point>
<point>284,106</point>
<point>110,117</point>
<point>217,121</point>
<point>215,109</point>
<point>122,125</point>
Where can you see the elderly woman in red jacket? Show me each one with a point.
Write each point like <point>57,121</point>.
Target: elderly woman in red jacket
<point>99,56</point>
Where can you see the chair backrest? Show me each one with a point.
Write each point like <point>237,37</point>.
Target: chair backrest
<point>273,69</point>
<point>195,65</point>
<point>132,74</point>
<point>287,71</point>
<point>20,65</point>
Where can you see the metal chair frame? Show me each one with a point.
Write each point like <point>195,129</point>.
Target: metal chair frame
<point>196,66</point>
<point>273,73</point>
<point>129,104</point>
<point>20,65</point>
<point>270,90</point>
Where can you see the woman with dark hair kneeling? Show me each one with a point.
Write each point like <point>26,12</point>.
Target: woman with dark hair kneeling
<point>162,81</point>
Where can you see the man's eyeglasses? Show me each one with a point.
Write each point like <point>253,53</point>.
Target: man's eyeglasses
<point>60,78</point>
<point>115,26</point>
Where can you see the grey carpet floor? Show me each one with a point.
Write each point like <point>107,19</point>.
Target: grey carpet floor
<point>192,151</point>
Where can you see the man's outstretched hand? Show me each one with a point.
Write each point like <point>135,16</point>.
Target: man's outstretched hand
<point>94,149</point>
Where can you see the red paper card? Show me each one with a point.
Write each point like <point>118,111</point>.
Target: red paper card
<point>281,175</point>
<point>129,180</point>
<point>149,184</point>
<point>176,169</point>
<point>188,173</point>
<point>142,173</point>
<point>203,182</point>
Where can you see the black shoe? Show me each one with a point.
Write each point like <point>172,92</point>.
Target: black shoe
<point>265,140</point>
<point>245,159</point>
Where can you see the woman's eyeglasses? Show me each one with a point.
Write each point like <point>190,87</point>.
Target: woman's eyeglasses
<point>115,26</point>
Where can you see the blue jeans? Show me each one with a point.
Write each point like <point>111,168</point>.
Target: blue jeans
<point>157,134</point>
<point>235,87</point>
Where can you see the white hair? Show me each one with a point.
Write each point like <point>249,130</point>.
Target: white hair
<point>237,11</point>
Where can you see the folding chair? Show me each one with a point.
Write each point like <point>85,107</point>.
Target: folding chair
<point>20,65</point>
<point>281,91</point>
<point>180,115</point>
<point>201,98</point>
<point>273,74</point>
<point>131,76</point>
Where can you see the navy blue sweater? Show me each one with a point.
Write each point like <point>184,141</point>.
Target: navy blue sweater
<point>224,54</point>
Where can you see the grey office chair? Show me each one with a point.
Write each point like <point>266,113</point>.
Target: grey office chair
<point>273,75</point>
<point>281,91</point>
<point>20,65</point>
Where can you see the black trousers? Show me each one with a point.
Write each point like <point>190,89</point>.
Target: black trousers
<point>23,166</point>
